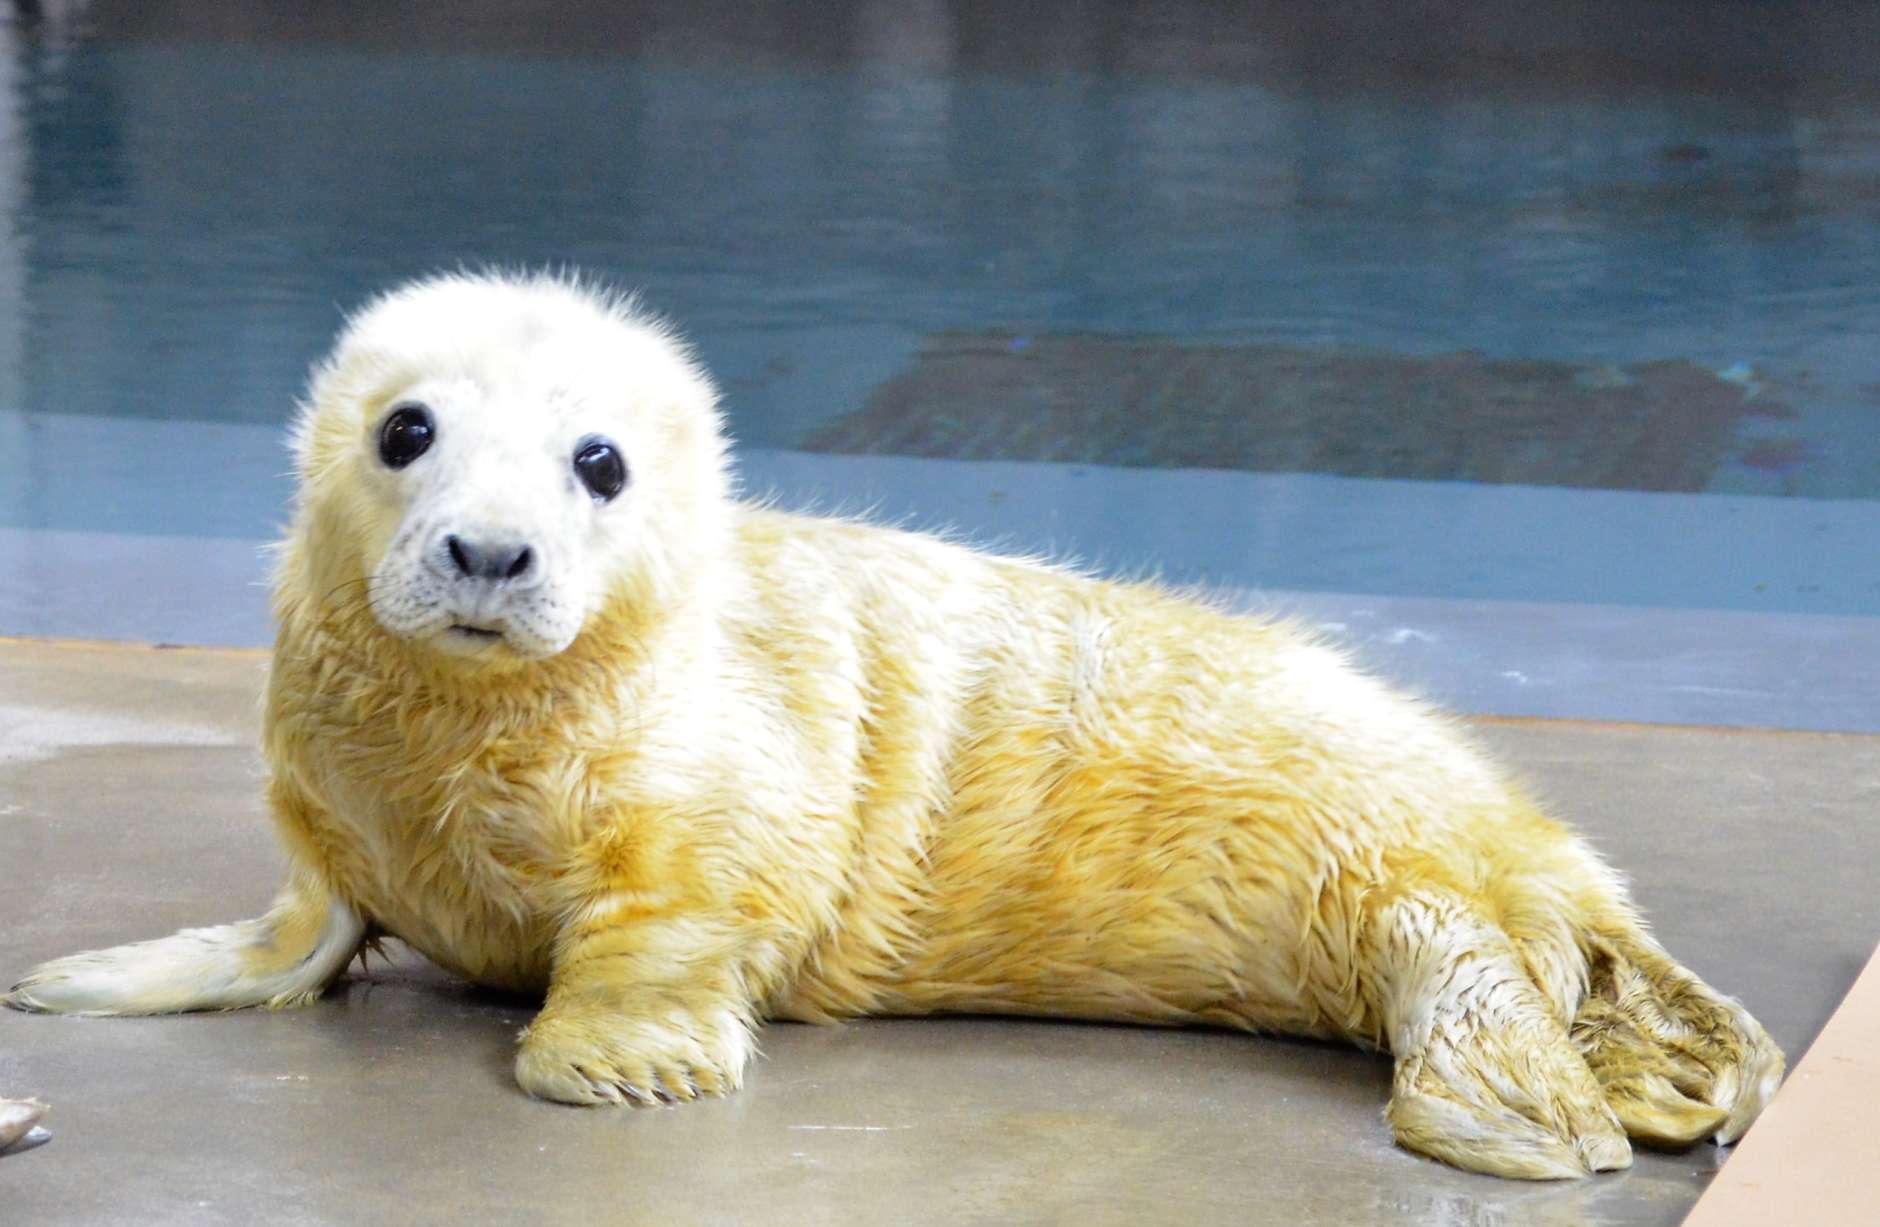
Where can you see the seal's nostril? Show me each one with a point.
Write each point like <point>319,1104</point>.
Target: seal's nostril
<point>465,556</point>
<point>495,562</point>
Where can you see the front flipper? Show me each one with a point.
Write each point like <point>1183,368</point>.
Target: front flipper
<point>643,1011</point>
<point>658,1051</point>
<point>282,959</point>
<point>646,1013</point>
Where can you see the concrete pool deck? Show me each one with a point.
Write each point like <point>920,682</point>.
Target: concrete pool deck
<point>129,807</point>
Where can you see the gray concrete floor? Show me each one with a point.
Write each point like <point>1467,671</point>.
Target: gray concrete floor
<point>129,807</point>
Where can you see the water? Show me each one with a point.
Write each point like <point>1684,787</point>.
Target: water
<point>195,194</point>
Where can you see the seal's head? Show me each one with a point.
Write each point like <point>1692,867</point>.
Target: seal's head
<point>497,459</point>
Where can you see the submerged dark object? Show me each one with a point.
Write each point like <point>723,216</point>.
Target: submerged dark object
<point>1146,401</point>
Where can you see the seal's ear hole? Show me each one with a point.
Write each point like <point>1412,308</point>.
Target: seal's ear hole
<point>406,434</point>
<point>601,468</point>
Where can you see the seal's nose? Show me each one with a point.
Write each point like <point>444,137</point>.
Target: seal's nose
<point>490,560</point>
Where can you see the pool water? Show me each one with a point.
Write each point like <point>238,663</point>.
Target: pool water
<point>1575,305</point>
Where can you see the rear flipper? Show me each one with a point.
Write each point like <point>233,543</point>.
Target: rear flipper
<point>1486,1077</point>
<point>1533,1044</point>
<point>1677,1060</point>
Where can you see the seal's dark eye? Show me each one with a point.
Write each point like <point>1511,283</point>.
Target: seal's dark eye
<point>406,435</point>
<point>599,466</point>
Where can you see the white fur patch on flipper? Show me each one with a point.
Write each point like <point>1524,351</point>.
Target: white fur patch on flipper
<point>222,968</point>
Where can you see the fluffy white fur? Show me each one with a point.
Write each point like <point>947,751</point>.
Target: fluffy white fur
<point>706,763</point>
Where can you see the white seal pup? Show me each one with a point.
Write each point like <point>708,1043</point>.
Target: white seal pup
<point>552,707</point>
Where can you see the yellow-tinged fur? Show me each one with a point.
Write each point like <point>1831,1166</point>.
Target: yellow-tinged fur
<point>805,768</point>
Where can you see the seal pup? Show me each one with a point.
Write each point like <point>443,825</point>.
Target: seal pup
<point>551,706</point>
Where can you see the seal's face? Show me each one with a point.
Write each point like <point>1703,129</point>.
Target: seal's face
<point>495,459</point>
<point>499,510</point>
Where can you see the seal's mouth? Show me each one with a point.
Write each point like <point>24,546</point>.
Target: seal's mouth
<point>475,634</point>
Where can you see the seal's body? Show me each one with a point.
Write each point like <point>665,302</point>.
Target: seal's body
<point>551,707</point>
